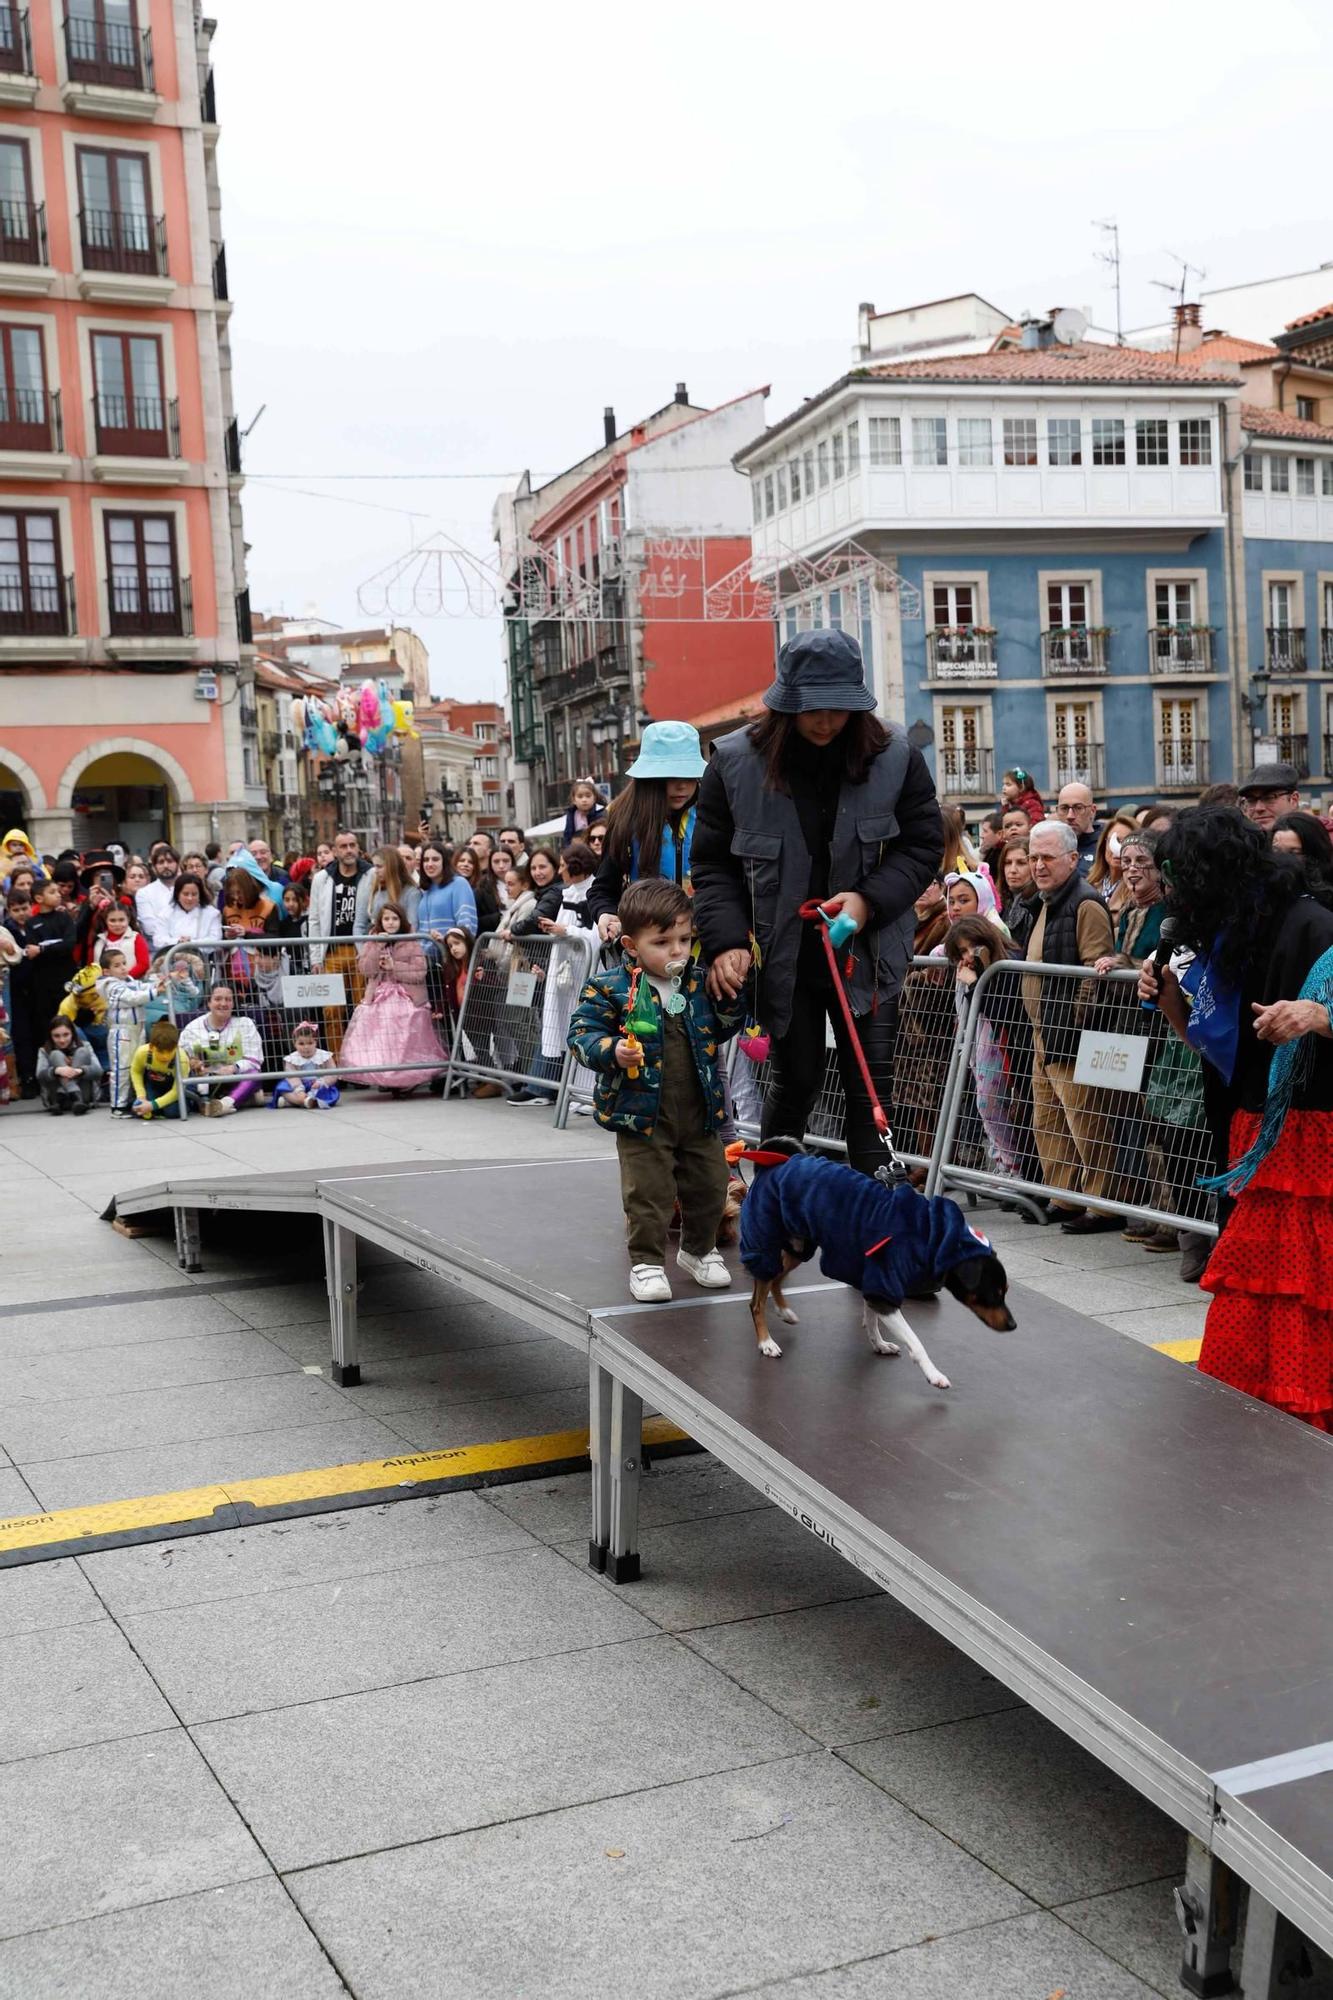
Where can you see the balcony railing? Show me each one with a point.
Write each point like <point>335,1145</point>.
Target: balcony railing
<point>245,624</point>
<point>38,606</point>
<point>966,771</point>
<point>1078,764</point>
<point>1328,754</point>
<point>208,100</point>
<point>136,426</point>
<point>1074,651</point>
<point>961,653</point>
<point>15,40</point>
<point>1180,649</point>
<point>30,420</point>
<point>1326,650</point>
<point>117,239</point>
<point>233,449</point>
<point>23,232</point>
<point>161,608</point>
<point>1183,766</point>
<point>109,52</point>
<point>270,743</point>
<point>220,273</point>
<point>1294,750</point>
<point>1284,649</point>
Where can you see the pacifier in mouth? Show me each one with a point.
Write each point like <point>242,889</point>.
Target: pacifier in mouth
<point>676,968</point>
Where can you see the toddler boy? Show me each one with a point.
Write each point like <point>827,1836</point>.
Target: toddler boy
<point>155,1077</point>
<point>658,1086</point>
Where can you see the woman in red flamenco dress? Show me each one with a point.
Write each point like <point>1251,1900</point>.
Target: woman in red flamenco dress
<point>1259,993</point>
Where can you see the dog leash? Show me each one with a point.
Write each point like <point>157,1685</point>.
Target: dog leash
<point>814,913</point>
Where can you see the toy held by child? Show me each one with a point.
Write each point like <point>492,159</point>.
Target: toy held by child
<point>222,1053</point>
<point>659,1088</point>
<point>68,1071</point>
<point>155,1076</point>
<point>301,1088</point>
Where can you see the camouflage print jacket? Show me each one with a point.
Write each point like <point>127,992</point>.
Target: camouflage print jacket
<point>599,1023</point>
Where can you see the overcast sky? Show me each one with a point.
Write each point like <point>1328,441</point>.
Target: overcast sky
<point>455,233</point>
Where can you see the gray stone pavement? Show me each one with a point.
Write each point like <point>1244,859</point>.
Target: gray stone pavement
<point>418,1749</point>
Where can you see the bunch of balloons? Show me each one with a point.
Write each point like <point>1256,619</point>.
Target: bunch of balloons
<point>368,720</point>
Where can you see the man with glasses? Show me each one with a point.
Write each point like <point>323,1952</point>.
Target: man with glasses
<point>1268,792</point>
<point>1077,809</point>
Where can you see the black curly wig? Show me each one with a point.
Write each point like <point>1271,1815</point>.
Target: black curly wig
<point>1225,886</point>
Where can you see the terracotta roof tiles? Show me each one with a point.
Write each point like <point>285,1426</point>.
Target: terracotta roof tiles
<point>1281,424</point>
<point>1309,319</point>
<point>1082,361</point>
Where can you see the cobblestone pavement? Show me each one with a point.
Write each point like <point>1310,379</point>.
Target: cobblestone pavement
<point>418,1749</point>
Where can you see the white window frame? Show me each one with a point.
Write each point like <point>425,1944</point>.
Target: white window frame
<point>1305,471</point>
<point>1114,436</point>
<point>1162,704</point>
<point>1326,478</point>
<point>976,444</point>
<point>794,478</point>
<point>1059,444</point>
<point>1199,451</point>
<point>928,455</point>
<point>1091,579</point>
<point>839,457</point>
<point>886,441</point>
<point>985,742</point>
<point>1252,475</point>
<point>1157,432</point>
<point>853,446</point>
<point>1019,435</point>
<point>1065,701</point>
<point>821,462</point>
<point>975,580</point>
<point>1279,482</point>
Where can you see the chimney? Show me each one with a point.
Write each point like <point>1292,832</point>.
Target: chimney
<point>682,393</point>
<point>608,425</point>
<point>1188,321</point>
<point>1029,332</point>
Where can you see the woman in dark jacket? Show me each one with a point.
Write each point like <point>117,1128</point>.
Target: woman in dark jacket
<point>818,801</point>
<point>1261,984</point>
<point>544,874</point>
<point>482,884</point>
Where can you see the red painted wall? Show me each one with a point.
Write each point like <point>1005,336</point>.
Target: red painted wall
<point>692,666</point>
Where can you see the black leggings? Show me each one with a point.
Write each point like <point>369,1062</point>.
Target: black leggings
<point>798,1063</point>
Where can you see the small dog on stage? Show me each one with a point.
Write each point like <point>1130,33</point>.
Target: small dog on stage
<point>886,1242</point>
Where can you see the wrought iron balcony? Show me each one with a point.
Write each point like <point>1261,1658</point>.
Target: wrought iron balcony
<point>245,624</point>
<point>1076,652</point>
<point>163,608</point>
<point>136,426</point>
<point>117,239</point>
<point>114,53</point>
<point>1294,750</point>
<point>233,449</point>
<point>208,100</point>
<point>23,232</point>
<point>38,605</point>
<point>30,420</point>
<point>966,771</point>
<point>1284,649</point>
<point>1182,766</point>
<point>1326,651</point>
<point>220,290</point>
<point>961,653</point>
<point>1078,764</point>
<point>15,40</point>
<point>1180,649</point>
<point>1328,755</point>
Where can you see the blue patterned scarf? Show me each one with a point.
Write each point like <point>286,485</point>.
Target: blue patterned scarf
<point>1292,1062</point>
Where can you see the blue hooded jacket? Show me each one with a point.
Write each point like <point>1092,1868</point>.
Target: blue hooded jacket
<point>883,1242</point>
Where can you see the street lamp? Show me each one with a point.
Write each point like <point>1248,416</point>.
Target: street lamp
<point>1255,705</point>
<point>603,729</point>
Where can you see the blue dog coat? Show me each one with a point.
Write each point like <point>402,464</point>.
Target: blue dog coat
<point>883,1242</point>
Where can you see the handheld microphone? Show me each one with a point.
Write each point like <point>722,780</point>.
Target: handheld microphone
<point>1161,958</point>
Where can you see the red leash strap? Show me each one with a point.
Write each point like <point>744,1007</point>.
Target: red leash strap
<point>814,914</point>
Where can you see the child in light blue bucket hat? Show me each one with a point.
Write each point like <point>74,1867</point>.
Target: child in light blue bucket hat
<point>650,827</point>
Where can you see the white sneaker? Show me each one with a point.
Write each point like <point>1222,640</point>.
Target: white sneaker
<point>648,1284</point>
<point>709,1270</point>
<point>223,1107</point>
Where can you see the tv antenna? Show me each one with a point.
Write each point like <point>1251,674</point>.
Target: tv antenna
<point>1180,290</point>
<point>1110,228</point>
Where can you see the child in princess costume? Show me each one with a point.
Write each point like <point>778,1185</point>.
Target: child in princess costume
<point>305,1087</point>
<point>652,1034</point>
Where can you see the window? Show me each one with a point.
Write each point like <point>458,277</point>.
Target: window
<point>25,421</point>
<point>768,496</point>
<point>954,604</point>
<point>1305,475</point>
<point>31,597</point>
<point>1196,441</point>
<point>1279,475</point>
<point>809,462</point>
<point>930,441</point>
<point>128,404</point>
<point>1305,408</point>
<point>1152,444</point>
<point>1175,603</point>
<point>1108,440</point>
<point>1182,759</point>
<point>482,732</point>
<point>962,759</point>
<point>794,475</point>
<point>886,441</point>
<point>839,459</point>
<point>854,447</point>
<point>143,587</point>
<point>757,498</point>
<point>1076,744</point>
<point>974,441</point>
<point>115,211</point>
<point>1254,472</point>
<point>821,462</point>
<point>1066,605</point>
<point>19,242</point>
<point>1020,440</point>
<point>1326,478</point>
<point>782,489</point>
<point>1064,440</point>
<point>103,41</point>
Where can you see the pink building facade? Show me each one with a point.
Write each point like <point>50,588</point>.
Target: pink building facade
<point>126,704</point>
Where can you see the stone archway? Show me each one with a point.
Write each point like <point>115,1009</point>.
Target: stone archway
<point>22,797</point>
<point>125,746</point>
<point>132,792</point>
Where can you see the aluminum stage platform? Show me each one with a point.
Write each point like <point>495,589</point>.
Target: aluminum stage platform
<point>1142,1554</point>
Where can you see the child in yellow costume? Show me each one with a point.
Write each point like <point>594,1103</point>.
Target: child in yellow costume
<point>155,1073</point>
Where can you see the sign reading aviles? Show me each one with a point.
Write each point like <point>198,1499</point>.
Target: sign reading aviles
<point>314,989</point>
<point>1111,1062</point>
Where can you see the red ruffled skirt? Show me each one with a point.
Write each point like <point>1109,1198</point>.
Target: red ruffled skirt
<point>1270,1326</point>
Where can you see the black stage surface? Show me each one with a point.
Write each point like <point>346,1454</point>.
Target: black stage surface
<point>1142,1553</point>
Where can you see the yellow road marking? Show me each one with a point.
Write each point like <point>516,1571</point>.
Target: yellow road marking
<point>1179,1350</point>
<point>372,1475</point>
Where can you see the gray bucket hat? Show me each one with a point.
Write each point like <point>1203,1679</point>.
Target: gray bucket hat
<point>820,669</point>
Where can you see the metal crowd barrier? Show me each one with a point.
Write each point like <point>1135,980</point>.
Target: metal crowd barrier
<point>278,981</point>
<point>1062,1086</point>
<point>517,1005</point>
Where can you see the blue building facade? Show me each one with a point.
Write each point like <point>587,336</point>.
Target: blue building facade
<point>1286,588</point>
